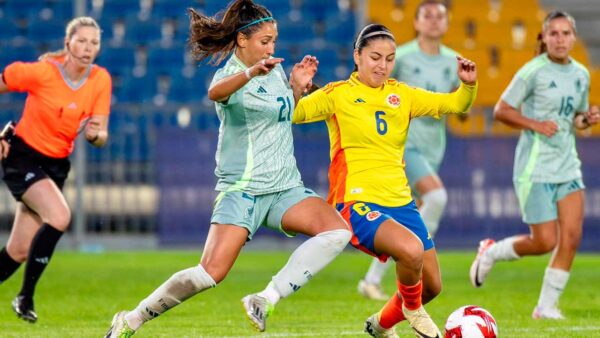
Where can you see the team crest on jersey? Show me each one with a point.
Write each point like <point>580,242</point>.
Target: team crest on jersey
<point>373,215</point>
<point>393,100</point>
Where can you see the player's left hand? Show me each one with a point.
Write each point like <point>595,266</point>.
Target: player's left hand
<point>467,71</point>
<point>92,130</point>
<point>593,115</point>
<point>303,73</point>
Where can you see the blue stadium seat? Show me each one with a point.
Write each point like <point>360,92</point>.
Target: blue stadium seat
<point>138,89</point>
<point>166,60</point>
<point>142,32</point>
<point>8,29</point>
<point>120,8</point>
<point>172,9</point>
<point>26,53</point>
<point>22,8</point>
<point>117,59</point>
<point>44,30</point>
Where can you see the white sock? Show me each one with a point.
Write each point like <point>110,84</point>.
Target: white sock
<point>434,203</point>
<point>308,259</point>
<point>503,250</point>
<point>376,271</point>
<point>179,287</point>
<point>554,283</point>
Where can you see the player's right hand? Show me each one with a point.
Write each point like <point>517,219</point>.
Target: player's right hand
<point>264,66</point>
<point>546,128</point>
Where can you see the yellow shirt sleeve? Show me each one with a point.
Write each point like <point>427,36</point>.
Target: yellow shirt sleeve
<point>437,104</point>
<point>317,106</point>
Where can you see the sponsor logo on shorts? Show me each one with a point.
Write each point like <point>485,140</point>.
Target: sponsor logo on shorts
<point>373,215</point>
<point>29,176</point>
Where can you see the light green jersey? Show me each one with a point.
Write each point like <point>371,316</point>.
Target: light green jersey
<point>255,153</point>
<point>544,90</point>
<point>436,73</point>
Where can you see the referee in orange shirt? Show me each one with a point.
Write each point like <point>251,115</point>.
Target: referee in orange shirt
<point>67,94</point>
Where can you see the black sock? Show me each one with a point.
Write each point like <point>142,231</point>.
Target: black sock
<point>7,265</point>
<point>42,247</point>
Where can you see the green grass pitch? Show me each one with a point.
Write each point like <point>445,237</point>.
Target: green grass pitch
<point>80,292</point>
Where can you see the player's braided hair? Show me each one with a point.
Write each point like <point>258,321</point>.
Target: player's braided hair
<point>215,37</point>
<point>540,47</point>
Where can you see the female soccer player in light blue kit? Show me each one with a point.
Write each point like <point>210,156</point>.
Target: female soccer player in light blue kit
<point>423,63</point>
<point>258,181</point>
<point>547,99</point>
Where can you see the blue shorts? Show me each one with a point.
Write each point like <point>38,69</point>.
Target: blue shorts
<point>365,218</point>
<point>417,167</point>
<point>538,201</point>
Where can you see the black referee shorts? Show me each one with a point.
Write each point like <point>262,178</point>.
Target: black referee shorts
<point>24,166</point>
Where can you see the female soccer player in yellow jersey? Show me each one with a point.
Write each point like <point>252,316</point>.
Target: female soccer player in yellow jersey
<point>368,117</point>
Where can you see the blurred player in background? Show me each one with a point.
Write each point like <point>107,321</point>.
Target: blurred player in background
<point>258,180</point>
<point>423,63</point>
<point>548,100</point>
<point>67,94</point>
<point>368,117</point>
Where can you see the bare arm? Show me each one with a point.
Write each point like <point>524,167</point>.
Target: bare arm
<point>224,88</point>
<point>509,115</point>
<point>3,86</point>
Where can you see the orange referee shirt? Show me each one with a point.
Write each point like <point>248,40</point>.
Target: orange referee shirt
<point>56,109</point>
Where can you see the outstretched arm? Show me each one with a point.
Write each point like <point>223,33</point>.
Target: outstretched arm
<point>224,88</point>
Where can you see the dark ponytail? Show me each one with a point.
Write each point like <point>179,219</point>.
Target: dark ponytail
<point>540,46</point>
<point>214,38</point>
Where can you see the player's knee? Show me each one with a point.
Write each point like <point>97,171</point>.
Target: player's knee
<point>216,271</point>
<point>546,246</point>
<point>570,240</point>
<point>18,251</point>
<point>59,219</point>
<point>410,256</point>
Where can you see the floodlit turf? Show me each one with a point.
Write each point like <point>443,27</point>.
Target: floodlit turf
<point>80,293</point>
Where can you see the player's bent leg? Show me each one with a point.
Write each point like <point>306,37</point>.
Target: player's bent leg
<point>432,277</point>
<point>223,245</point>
<point>313,217</point>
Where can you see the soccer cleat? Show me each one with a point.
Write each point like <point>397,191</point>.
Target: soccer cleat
<point>257,309</point>
<point>374,329</point>
<point>371,291</point>
<point>482,265</point>
<point>119,327</point>
<point>547,313</point>
<point>421,323</point>
<point>23,307</point>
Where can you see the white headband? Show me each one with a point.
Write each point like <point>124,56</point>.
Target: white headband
<point>361,38</point>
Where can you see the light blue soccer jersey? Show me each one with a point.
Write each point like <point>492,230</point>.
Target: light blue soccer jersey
<point>436,73</point>
<point>544,90</point>
<point>255,153</point>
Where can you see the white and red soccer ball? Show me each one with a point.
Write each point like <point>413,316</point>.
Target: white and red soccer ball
<point>471,321</point>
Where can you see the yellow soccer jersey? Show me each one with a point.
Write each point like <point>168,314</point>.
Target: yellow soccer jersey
<point>367,132</point>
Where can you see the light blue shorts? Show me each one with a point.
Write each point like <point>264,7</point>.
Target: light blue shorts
<point>417,167</point>
<point>538,201</point>
<point>251,212</point>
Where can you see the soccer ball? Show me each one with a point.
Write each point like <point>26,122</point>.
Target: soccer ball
<point>471,321</point>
